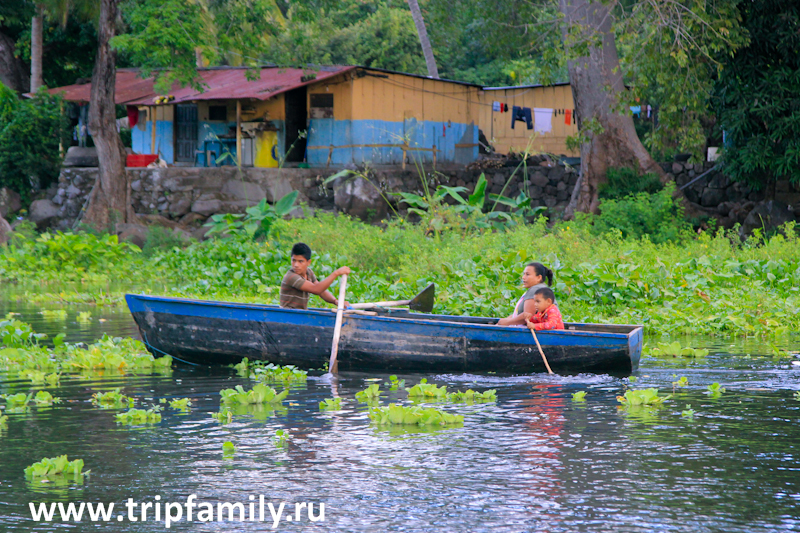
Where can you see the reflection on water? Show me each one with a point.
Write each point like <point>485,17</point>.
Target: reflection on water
<point>532,461</point>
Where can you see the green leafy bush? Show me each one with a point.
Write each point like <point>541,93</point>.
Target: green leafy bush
<point>622,182</point>
<point>656,216</point>
<point>30,133</point>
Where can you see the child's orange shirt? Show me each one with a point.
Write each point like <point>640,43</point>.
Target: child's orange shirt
<point>550,319</point>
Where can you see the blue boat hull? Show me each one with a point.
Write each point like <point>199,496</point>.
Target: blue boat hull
<point>205,332</point>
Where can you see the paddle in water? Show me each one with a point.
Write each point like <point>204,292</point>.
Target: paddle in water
<point>337,328</point>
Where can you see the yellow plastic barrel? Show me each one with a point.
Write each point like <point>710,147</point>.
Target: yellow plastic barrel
<point>267,149</point>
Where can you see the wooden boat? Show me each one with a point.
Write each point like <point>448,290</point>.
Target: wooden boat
<point>206,332</point>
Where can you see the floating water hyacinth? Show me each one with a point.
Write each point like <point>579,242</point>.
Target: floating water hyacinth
<point>470,396</point>
<point>45,399</point>
<point>281,437</point>
<point>683,382</point>
<point>370,394</point>
<point>54,314</point>
<point>228,449</point>
<point>425,390</point>
<point>396,384</point>
<point>715,390</point>
<point>112,399</point>
<point>224,416</point>
<point>688,412</point>
<point>139,416</point>
<point>85,317</point>
<point>634,398</point>
<point>579,396</point>
<point>55,466</point>
<point>394,414</point>
<point>330,404</point>
<point>674,349</point>
<point>257,395</point>
<point>270,373</point>
<point>181,404</point>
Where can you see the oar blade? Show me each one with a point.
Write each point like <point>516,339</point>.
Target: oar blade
<point>423,302</point>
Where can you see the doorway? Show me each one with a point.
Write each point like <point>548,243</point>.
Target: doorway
<point>296,122</point>
<point>185,132</point>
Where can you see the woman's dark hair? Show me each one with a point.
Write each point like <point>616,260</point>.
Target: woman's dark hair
<point>543,271</point>
<point>547,293</point>
<point>302,249</point>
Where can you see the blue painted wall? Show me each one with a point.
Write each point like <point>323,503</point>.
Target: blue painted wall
<point>443,135</point>
<point>164,140</point>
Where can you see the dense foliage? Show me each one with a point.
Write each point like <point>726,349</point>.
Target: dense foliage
<point>709,283</point>
<point>757,96</point>
<point>30,133</point>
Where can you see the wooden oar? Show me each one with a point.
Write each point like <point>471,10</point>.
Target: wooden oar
<point>333,367</point>
<point>422,302</point>
<point>540,351</point>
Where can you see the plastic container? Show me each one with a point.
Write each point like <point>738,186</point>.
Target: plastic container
<point>140,160</point>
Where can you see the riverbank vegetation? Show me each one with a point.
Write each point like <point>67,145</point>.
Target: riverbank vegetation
<point>706,283</point>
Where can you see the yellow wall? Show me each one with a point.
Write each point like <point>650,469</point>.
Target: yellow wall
<point>398,97</point>
<point>497,126</point>
<point>341,87</point>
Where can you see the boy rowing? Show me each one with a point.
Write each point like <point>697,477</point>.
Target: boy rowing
<point>300,281</point>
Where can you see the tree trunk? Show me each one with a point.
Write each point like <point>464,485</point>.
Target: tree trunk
<point>597,86</point>
<point>430,61</point>
<point>12,72</point>
<point>109,201</point>
<point>36,49</point>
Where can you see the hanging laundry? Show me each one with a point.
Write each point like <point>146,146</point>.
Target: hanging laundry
<point>648,111</point>
<point>567,116</point>
<point>574,117</point>
<point>543,119</point>
<point>505,108</point>
<point>133,115</point>
<point>523,114</point>
<point>497,106</point>
<point>636,109</point>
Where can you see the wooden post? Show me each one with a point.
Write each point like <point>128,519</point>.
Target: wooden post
<point>239,133</point>
<point>153,136</point>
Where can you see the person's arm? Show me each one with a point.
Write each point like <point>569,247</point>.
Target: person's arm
<point>321,287</point>
<point>528,308</point>
<point>552,320</point>
<point>331,299</point>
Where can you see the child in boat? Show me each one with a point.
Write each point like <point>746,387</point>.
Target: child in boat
<point>300,280</point>
<point>533,278</point>
<point>547,315</point>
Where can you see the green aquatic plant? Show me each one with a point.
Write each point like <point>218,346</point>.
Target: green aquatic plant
<point>470,396</point>
<point>17,400</point>
<point>39,377</point>
<point>632,379</point>
<point>715,390</point>
<point>579,396</point>
<point>55,466</point>
<point>224,416</point>
<point>45,399</point>
<point>394,414</point>
<point>139,416</point>
<point>181,404</point>
<point>269,372</point>
<point>330,404</point>
<point>425,390</point>
<point>674,349</point>
<point>54,314</point>
<point>797,395</point>
<point>683,382</point>
<point>85,317</point>
<point>228,449</point>
<point>281,438</point>
<point>396,384</point>
<point>688,412</point>
<point>633,398</point>
<point>113,399</point>
<point>257,395</point>
<point>370,394</point>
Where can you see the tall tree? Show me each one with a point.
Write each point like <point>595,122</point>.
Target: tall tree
<point>109,201</point>
<point>427,51</point>
<point>610,138</point>
<point>37,47</point>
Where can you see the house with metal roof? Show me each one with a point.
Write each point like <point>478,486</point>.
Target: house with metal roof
<point>333,116</point>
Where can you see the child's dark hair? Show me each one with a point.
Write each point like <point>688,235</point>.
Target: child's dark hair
<point>302,248</point>
<point>547,293</point>
<point>543,271</point>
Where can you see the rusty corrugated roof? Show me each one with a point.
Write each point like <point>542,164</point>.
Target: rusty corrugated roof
<point>221,83</point>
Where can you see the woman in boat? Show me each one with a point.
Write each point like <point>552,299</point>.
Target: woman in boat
<point>533,279</point>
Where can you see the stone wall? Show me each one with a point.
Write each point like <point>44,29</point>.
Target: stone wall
<point>187,196</point>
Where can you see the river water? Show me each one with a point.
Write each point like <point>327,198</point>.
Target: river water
<point>535,460</point>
